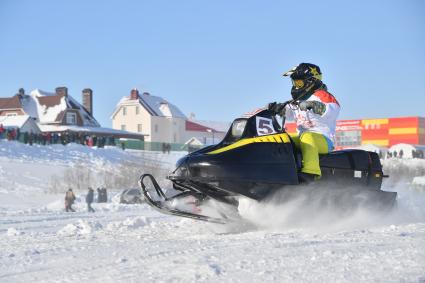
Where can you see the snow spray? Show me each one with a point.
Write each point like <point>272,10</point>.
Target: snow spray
<point>323,210</point>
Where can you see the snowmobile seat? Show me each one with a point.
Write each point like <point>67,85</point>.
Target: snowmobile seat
<point>352,167</point>
<point>347,159</point>
<point>351,159</point>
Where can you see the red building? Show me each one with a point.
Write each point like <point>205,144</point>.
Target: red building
<point>382,132</point>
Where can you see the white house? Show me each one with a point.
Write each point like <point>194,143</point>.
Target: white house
<point>160,121</point>
<point>152,116</point>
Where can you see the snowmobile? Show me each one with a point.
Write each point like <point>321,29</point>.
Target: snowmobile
<point>256,159</point>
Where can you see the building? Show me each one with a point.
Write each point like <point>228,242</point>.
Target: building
<point>24,122</point>
<point>13,115</point>
<point>152,116</point>
<point>383,132</point>
<point>160,121</point>
<point>203,133</point>
<point>54,112</point>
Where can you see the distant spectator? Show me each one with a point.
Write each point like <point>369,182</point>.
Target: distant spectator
<point>80,138</point>
<point>31,138</point>
<point>39,138</point>
<point>122,145</point>
<point>67,137</point>
<point>94,140</point>
<point>11,134</point>
<point>89,200</point>
<point>104,195</point>
<point>69,200</point>
<point>55,138</point>
<point>43,138</point>
<point>400,154</point>
<point>90,141</point>
<point>101,142</point>
<point>26,136</point>
<point>164,147</point>
<point>59,138</point>
<point>18,133</point>
<point>72,137</point>
<point>99,195</point>
<point>395,154</point>
<point>49,138</point>
<point>2,130</point>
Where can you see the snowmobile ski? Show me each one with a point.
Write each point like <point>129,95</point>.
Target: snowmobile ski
<point>162,206</point>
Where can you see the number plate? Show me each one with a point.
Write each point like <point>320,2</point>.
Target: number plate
<point>264,126</point>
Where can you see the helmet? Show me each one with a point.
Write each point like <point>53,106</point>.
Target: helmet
<point>306,78</point>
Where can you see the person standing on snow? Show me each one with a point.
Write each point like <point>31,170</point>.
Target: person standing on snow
<point>315,111</point>
<point>104,195</point>
<point>2,130</point>
<point>89,200</point>
<point>99,195</point>
<point>69,200</point>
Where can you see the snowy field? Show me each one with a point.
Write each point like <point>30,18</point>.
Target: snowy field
<point>39,242</point>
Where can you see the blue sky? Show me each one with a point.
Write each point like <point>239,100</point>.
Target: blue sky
<point>217,59</point>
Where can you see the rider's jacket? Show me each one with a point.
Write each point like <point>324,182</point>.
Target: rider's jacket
<point>324,124</point>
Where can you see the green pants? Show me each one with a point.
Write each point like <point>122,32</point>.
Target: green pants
<point>311,145</point>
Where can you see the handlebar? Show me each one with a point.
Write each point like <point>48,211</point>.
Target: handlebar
<point>278,109</point>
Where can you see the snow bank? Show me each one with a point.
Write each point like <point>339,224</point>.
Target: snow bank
<point>128,224</point>
<point>134,243</point>
<point>81,227</point>
<point>11,232</point>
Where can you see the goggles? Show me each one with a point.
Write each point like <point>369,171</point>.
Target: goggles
<point>298,83</point>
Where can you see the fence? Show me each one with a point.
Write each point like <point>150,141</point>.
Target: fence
<point>156,146</point>
<point>99,142</point>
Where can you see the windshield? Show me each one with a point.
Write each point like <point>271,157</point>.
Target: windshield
<point>238,127</point>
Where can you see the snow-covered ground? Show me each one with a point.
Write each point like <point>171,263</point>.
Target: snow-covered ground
<point>39,242</point>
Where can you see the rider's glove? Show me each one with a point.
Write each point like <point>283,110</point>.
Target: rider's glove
<point>271,106</point>
<point>277,108</point>
<point>317,106</point>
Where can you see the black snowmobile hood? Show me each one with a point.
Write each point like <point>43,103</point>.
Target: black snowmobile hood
<point>259,126</point>
<point>252,142</point>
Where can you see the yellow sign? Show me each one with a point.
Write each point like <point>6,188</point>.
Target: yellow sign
<point>402,131</point>
<point>377,142</point>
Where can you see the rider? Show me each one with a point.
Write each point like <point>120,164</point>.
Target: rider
<point>315,111</point>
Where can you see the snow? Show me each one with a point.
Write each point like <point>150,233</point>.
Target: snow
<point>162,107</point>
<point>48,115</point>
<point>84,129</point>
<point>134,243</point>
<point>407,149</point>
<point>44,114</point>
<point>13,121</point>
<point>373,148</point>
<point>158,105</point>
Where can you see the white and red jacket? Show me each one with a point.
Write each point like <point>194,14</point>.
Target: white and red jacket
<point>324,124</point>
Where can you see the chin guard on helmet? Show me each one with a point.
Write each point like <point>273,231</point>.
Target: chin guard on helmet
<point>306,78</point>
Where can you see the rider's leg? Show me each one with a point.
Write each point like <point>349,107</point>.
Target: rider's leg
<point>312,144</point>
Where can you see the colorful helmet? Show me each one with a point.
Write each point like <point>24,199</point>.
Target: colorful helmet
<point>306,78</point>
